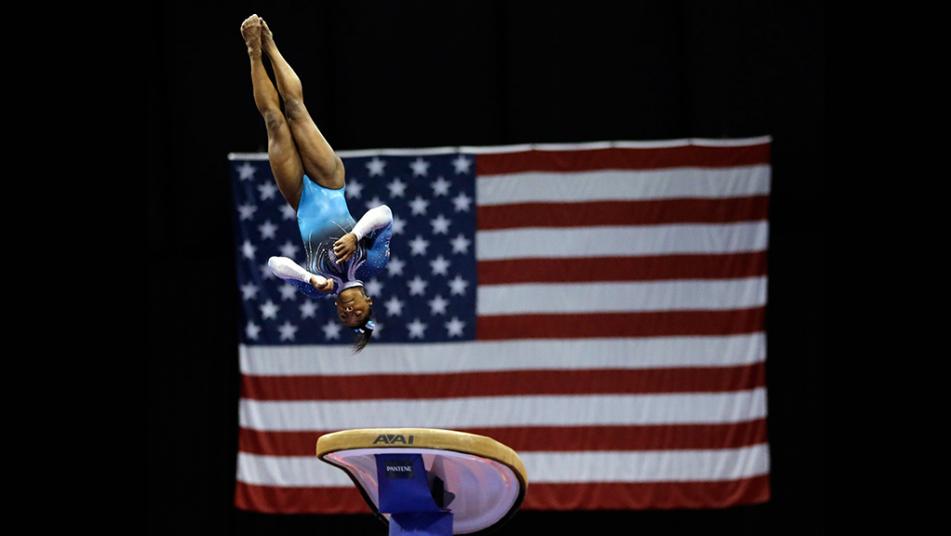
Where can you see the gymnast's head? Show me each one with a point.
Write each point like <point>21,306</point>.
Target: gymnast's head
<point>355,310</point>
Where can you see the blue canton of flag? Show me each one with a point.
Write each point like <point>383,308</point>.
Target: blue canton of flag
<point>426,293</point>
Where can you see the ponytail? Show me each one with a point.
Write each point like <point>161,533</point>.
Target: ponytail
<point>364,334</point>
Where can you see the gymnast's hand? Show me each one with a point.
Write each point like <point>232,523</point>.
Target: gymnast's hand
<point>345,247</point>
<point>321,284</point>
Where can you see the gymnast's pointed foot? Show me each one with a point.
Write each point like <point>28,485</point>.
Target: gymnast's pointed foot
<point>267,38</point>
<point>251,32</point>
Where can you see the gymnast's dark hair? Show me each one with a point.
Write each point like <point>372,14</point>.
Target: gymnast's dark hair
<point>364,332</point>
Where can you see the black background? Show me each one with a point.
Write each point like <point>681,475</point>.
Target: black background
<point>419,74</point>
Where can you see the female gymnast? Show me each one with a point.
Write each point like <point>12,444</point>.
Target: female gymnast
<point>341,254</point>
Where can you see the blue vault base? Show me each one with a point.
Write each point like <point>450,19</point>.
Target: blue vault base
<point>407,494</point>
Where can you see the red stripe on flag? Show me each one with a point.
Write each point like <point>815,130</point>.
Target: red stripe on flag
<point>552,438</point>
<point>626,496</point>
<point>653,324</point>
<point>598,159</point>
<point>653,268</point>
<point>654,212</point>
<point>288,500</point>
<point>568,496</point>
<point>494,383</point>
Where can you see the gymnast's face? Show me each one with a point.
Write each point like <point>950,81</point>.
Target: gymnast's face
<point>353,307</point>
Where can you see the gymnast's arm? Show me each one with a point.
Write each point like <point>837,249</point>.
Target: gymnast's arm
<point>290,271</point>
<point>374,219</point>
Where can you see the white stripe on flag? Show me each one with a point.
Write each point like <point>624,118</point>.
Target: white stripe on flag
<point>544,467</point>
<point>483,412</point>
<point>617,185</point>
<point>678,295</point>
<point>548,354</point>
<point>648,466</point>
<point>289,471</point>
<point>621,241</point>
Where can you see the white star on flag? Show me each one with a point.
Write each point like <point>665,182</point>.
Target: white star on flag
<point>417,286</point>
<point>397,187</point>
<point>416,329</point>
<point>246,171</point>
<point>354,188</point>
<point>289,250</point>
<point>462,202</point>
<point>394,307</point>
<point>374,287</point>
<point>247,211</point>
<point>398,225</point>
<point>269,310</point>
<point>395,266</point>
<point>375,166</point>
<point>288,292</point>
<point>253,330</point>
<point>462,164</point>
<point>454,327</point>
<point>249,291</point>
<point>287,331</point>
<point>419,205</point>
<point>437,305</point>
<point>308,309</point>
<point>460,244</point>
<point>373,203</point>
<point>441,187</point>
<point>439,265</point>
<point>420,167</point>
<point>418,245</point>
<point>267,190</point>
<point>266,272</point>
<point>267,229</point>
<point>440,225</point>
<point>247,249</point>
<point>331,330</point>
<point>288,212</point>
<point>458,285</point>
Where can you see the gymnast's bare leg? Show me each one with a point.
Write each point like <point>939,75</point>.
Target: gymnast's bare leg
<point>286,164</point>
<point>320,161</point>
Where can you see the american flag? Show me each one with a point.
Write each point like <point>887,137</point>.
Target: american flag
<point>597,307</point>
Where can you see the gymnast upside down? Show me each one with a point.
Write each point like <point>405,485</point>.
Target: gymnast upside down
<point>341,253</point>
